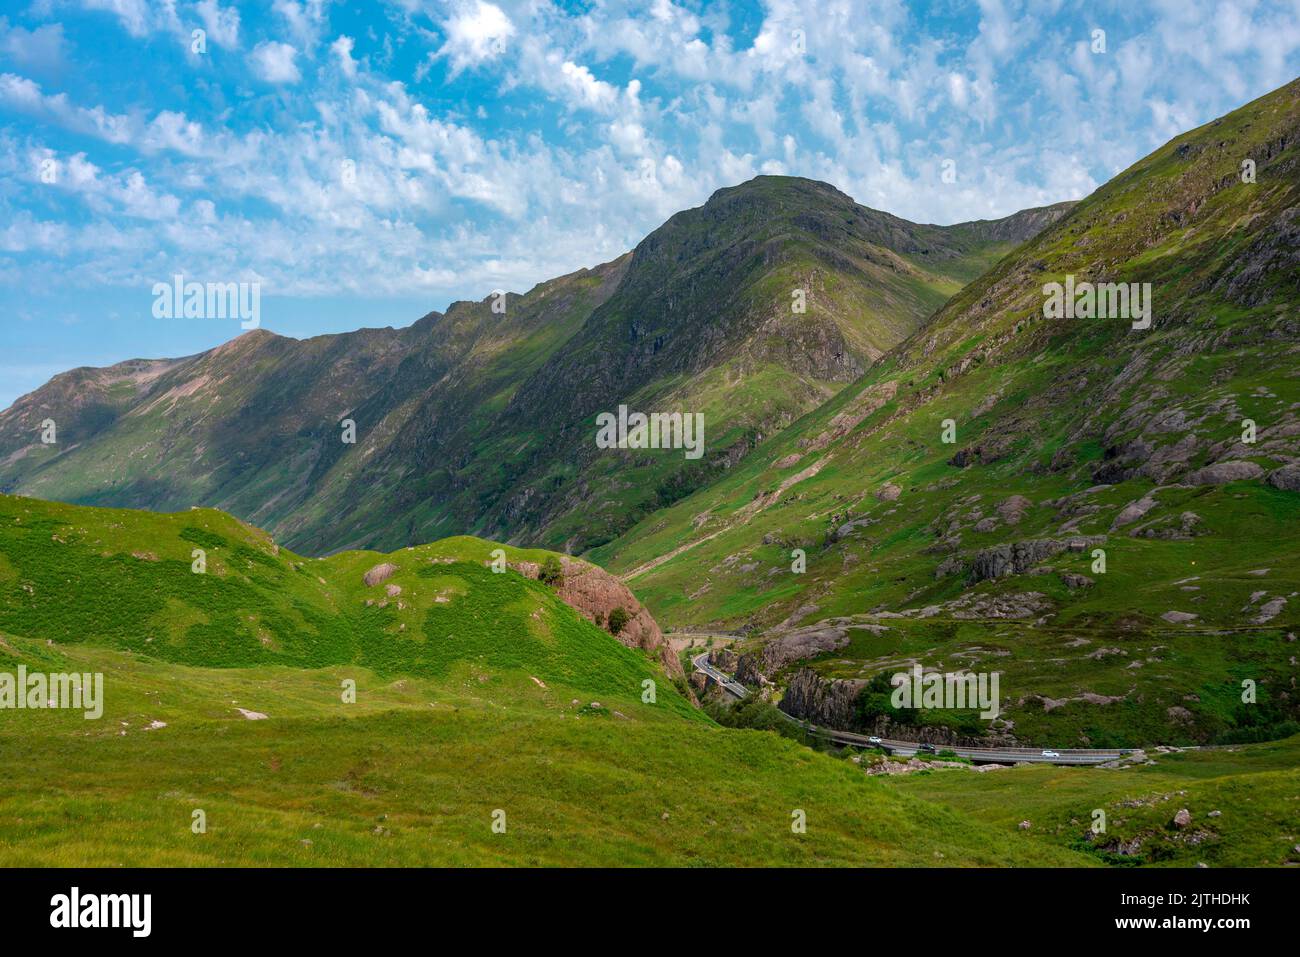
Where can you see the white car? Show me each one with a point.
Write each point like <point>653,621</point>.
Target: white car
<point>1051,754</point>
<point>873,740</point>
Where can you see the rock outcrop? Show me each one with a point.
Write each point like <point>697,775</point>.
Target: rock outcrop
<point>594,593</point>
<point>1014,508</point>
<point>1287,478</point>
<point>1131,512</point>
<point>832,703</point>
<point>806,642</point>
<point>810,697</point>
<point>1019,557</point>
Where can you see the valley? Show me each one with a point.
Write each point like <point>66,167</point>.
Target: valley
<point>240,727</point>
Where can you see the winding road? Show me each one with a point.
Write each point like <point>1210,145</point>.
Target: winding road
<point>909,748</point>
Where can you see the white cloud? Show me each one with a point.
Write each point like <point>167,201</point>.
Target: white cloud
<point>173,131</point>
<point>274,62</point>
<point>222,25</point>
<point>342,48</point>
<point>475,32</point>
<point>134,15</point>
<point>584,89</point>
<point>597,125</point>
<point>25,95</point>
<point>41,50</point>
<point>305,20</point>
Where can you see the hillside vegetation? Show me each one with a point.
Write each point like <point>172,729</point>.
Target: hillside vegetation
<point>225,693</point>
<point>226,738</point>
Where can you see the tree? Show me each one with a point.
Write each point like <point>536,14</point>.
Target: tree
<point>552,571</point>
<point>617,619</point>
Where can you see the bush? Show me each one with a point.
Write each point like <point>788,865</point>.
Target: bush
<point>617,619</point>
<point>552,572</point>
<point>875,701</point>
<point>755,713</point>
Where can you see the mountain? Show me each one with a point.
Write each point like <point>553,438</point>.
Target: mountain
<point>1174,450</point>
<point>253,426</point>
<point>483,421</point>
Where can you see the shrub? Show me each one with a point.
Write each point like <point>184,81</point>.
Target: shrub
<point>552,572</point>
<point>753,712</point>
<point>617,619</point>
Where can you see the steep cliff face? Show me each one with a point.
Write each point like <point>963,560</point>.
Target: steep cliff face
<point>594,593</point>
<point>831,702</point>
<point>810,697</point>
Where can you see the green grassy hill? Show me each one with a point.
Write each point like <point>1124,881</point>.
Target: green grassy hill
<point>124,579</point>
<point>224,694</point>
<point>475,692</point>
<point>1071,435</point>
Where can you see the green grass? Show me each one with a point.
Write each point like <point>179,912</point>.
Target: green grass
<point>1255,789</point>
<point>259,604</point>
<point>411,773</point>
<point>498,697</point>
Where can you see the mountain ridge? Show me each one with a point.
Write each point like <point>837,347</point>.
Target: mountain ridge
<point>473,420</point>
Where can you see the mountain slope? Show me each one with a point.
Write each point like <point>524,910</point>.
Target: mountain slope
<point>482,421</point>
<point>253,426</point>
<point>1070,435</point>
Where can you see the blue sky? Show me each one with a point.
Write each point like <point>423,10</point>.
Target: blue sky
<point>368,163</point>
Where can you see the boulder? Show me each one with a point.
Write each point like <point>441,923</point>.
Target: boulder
<point>951,565</point>
<point>1270,610</point>
<point>1014,508</point>
<point>379,573</point>
<point>1133,511</point>
<point>1287,478</point>
<point>1220,473</point>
